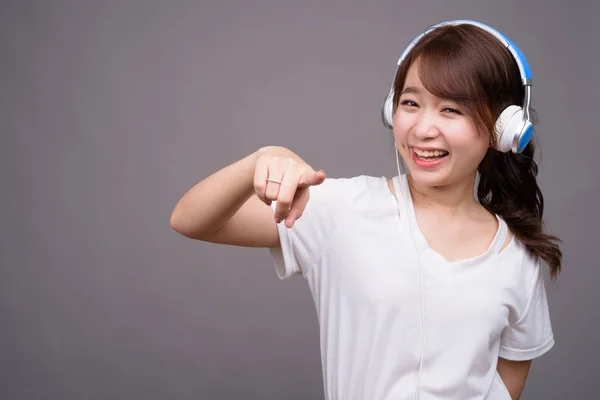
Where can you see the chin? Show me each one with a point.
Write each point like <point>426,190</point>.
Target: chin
<point>429,178</point>
<point>437,176</point>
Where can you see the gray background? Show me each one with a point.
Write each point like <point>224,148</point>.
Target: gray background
<point>111,110</point>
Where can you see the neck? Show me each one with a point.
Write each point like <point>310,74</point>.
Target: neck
<point>452,199</point>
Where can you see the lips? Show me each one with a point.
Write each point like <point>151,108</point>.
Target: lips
<point>428,158</point>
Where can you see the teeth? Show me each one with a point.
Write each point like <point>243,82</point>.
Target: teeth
<point>428,153</point>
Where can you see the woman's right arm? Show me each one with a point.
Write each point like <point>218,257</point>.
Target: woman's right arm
<point>232,206</point>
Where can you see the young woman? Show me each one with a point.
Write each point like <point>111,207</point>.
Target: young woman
<point>428,285</point>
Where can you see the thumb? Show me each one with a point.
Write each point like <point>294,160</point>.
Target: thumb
<point>310,178</point>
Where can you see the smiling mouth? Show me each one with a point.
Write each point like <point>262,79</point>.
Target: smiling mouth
<point>430,155</point>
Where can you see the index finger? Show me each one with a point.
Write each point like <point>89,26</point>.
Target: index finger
<point>285,197</point>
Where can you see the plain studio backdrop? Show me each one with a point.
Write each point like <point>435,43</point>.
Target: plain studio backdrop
<point>111,110</point>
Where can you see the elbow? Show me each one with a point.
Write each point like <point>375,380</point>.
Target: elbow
<point>180,224</point>
<point>176,223</point>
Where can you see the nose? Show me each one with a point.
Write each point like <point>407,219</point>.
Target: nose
<point>426,127</point>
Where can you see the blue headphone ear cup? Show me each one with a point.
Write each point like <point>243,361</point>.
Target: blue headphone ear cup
<point>525,136</point>
<point>512,131</point>
<point>387,110</point>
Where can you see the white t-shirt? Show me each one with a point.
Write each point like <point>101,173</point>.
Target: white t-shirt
<point>384,316</point>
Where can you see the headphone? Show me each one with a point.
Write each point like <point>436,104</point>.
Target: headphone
<point>513,127</point>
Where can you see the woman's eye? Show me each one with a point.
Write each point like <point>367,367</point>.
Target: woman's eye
<point>409,103</point>
<point>452,110</point>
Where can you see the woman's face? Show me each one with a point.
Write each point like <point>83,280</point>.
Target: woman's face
<point>439,143</point>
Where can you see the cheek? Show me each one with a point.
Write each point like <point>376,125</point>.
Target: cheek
<point>472,147</point>
<point>401,128</point>
<point>401,141</point>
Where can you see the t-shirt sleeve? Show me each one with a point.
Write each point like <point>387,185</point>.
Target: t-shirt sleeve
<point>531,335</point>
<point>304,243</point>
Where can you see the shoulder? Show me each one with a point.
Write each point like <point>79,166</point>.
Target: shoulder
<point>361,193</point>
<point>363,181</point>
<point>522,268</point>
<point>517,252</point>
<point>349,187</point>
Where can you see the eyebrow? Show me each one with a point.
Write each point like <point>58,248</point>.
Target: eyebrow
<point>410,89</point>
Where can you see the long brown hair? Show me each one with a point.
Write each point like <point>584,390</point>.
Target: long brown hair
<point>471,67</point>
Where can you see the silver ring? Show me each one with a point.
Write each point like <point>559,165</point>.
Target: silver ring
<point>273,180</point>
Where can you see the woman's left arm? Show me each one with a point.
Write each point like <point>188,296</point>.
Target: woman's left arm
<point>514,375</point>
